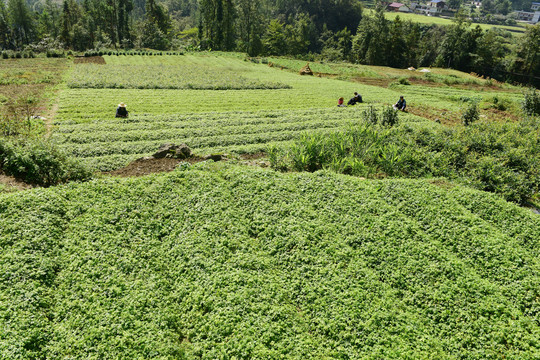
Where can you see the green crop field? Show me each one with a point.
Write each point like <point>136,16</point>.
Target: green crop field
<point>232,121</point>
<point>220,260</point>
<point>422,19</point>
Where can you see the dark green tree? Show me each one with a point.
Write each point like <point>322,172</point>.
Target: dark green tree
<point>22,22</point>
<point>371,43</point>
<point>218,18</point>
<point>397,49</point>
<point>528,53</point>
<point>5,30</point>
<point>48,20</point>
<point>274,40</point>
<point>249,26</point>
<point>299,34</point>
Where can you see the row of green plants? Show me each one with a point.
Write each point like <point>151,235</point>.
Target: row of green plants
<point>500,158</point>
<point>349,71</point>
<point>223,132</point>
<point>129,53</point>
<point>181,76</point>
<point>215,261</point>
<point>17,54</point>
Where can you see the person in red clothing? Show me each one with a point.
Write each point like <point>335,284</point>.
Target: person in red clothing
<point>340,102</point>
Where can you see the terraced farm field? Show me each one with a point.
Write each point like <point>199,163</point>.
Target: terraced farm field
<point>219,260</point>
<point>226,121</point>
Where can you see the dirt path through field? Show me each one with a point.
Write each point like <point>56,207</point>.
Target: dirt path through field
<point>51,114</point>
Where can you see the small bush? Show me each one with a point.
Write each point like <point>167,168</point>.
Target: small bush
<point>5,55</point>
<point>531,102</point>
<point>370,115</point>
<point>39,162</point>
<point>389,117</point>
<point>404,81</point>
<point>470,115</point>
<point>501,103</point>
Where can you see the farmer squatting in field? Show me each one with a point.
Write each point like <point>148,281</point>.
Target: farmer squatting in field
<point>121,111</point>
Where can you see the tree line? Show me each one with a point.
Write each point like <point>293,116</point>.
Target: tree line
<point>337,30</point>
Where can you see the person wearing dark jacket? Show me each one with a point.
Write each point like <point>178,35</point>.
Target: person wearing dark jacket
<point>401,104</point>
<point>121,111</point>
<point>356,99</point>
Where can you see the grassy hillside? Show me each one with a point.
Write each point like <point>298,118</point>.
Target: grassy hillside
<point>219,261</point>
<point>422,19</point>
<point>228,261</point>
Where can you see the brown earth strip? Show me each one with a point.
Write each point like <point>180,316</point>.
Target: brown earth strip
<point>89,60</point>
<point>147,166</point>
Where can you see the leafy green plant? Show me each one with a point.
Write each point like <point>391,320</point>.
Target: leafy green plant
<point>488,157</point>
<point>222,261</point>
<point>531,102</point>
<point>370,115</point>
<point>470,114</point>
<point>38,162</point>
<point>389,117</point>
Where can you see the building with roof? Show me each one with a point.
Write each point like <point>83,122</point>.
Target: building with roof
<point>398,7</point>
<point>432,8</point>
<point>532,17</point>
<point>439,4</point>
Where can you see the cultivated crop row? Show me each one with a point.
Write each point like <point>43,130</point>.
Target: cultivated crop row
<point>208,132</point>
<point>218,261</point>
<point>196,77</point>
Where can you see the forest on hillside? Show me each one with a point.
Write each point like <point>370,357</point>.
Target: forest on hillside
<point>335,30</point>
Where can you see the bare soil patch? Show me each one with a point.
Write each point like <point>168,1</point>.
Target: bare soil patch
<point>500,115</point>
<point>90,60</point>
<point>373,81</point>
<point>147,166</point>
<point>13,184</point>
<point>256,159</point>
<point>443,116</point>
<point>254,156</point>
<point>442,184</point>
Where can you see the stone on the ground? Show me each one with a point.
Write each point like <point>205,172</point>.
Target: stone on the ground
<point>173,151</point>
<point>216,157</point>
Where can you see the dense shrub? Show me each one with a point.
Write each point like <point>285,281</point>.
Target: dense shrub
<point>39,162</point>
<point>471,114</point>
<point>500,158</point>
<point>370,115</point>
<point>389,117</point>
<point>531,102</point>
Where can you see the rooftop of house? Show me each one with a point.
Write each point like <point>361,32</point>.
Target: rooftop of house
<point>396,5</point>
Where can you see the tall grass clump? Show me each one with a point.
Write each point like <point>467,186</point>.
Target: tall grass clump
<point>500,158</point>
<point>387,117</point>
